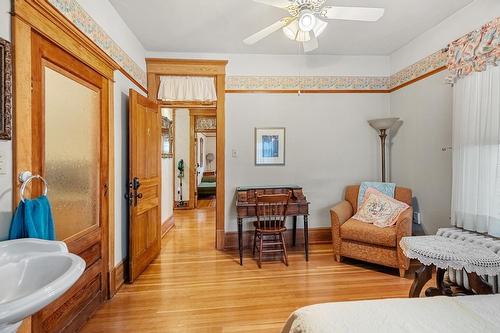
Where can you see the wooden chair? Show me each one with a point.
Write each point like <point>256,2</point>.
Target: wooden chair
<point>271,216</point>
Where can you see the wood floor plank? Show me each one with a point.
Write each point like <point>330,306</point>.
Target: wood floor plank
<point>191,287</point>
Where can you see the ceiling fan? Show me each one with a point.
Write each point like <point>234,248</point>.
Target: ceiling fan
<point>306,20</point>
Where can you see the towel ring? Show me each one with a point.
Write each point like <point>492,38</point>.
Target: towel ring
<point>27,181</point>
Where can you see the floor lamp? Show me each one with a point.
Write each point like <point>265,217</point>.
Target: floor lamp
<point>382,125</point>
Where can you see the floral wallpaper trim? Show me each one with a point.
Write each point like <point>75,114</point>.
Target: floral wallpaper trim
<point>306,83</point>
<point>86,24</point>
<point>475,51</point>
<point>420,68</point>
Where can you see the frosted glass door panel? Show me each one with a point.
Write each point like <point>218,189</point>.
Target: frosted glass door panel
<point>72,152</point>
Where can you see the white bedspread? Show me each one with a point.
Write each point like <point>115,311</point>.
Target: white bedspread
<point>433,314</point>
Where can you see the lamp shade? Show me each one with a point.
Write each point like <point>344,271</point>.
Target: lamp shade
<point>382,123</point>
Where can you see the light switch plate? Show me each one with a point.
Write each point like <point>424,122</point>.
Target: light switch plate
<point>234,153</point>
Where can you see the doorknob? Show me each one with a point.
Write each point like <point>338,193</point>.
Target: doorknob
<point>132,194</point>
<point>135,185</point>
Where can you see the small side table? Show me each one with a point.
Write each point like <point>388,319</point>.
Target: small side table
<point>443,252</point>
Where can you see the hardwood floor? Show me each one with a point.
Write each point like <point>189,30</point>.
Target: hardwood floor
<point>207,202</point>
<point>191,287</point>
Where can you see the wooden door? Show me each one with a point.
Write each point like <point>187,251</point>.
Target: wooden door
<point>69,147</point>
<point>145,183</point>
<point>195,167</point>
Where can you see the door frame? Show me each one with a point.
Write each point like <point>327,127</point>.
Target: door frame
<point>157,67</point>
<point>193,114</point>
<point>39,16</point>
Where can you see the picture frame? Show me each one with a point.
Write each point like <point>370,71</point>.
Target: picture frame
<point>270,145</point>
<point>5,90</point>
<point>167,138</point>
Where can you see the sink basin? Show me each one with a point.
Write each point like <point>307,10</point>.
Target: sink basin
<point>14,250</point>
<point>33,274</point>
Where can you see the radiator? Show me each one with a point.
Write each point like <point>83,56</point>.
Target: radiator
<point>459,276</point>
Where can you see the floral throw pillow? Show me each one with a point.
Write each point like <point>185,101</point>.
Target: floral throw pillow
<point>379,209</point>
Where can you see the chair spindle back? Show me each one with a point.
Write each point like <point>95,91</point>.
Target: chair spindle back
<point>271,211</point>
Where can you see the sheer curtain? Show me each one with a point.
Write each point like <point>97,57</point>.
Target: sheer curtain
<point>476,152</point>
<point>187,88</point>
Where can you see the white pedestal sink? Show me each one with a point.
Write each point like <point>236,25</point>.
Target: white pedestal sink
<point>33,273</point>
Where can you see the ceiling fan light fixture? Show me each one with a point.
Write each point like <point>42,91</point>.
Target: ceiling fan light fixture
<point>307,20</point>
<point>303,36</point>
<point>291,30</point>
<point>319,27</point>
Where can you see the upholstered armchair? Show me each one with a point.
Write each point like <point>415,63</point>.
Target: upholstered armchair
<point>364,241</point>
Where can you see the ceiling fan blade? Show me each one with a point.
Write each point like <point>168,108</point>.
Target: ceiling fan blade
<point>275,3</point>
<point>354,13</point>
<point>312,44</point>
<point>267,31</point>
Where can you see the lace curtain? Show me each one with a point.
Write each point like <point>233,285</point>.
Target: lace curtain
<point>476,152</point>
<point>187,88</point>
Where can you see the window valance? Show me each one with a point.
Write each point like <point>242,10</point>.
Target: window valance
<point>475,51</point>
<point>187,88</point>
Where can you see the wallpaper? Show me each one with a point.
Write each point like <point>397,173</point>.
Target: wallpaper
<point>86,24</point>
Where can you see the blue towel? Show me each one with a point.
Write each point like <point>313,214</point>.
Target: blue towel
<point>33,219</point>
<point>386,188</point>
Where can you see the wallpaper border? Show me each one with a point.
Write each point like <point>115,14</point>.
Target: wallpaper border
<point>72,10</point>
<point>429,64</point>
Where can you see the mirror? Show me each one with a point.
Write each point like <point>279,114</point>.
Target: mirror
<point>5,90</point>
<point>166,135</point>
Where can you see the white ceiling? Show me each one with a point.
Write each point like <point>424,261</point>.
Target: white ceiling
<point>219,26</point>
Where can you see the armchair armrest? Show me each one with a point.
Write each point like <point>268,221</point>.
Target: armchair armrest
<point>338,216</point>
<point>340,213</point>
<point>403,226</point>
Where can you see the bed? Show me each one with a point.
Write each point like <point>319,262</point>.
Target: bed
<point>433,314</point>
<point>207,186</point>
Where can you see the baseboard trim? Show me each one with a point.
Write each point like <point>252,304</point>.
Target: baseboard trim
<point>117,277</point>
<point>316,236</point>
<point>167,225</point>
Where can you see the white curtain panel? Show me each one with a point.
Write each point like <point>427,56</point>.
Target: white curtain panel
<point>187,88</point>
<point>476,152</point>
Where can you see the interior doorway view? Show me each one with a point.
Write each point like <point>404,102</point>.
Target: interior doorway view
<point>193,164</point>
<point>194,152</point>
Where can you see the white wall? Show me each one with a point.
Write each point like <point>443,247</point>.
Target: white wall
<point>211,147</point>
<point>181,142</point>
<point>329,145</point>
<point>167,179</point>
<point>455,26</point>
<point>426,109</point>
<point>103,12</point>
<point>203,162</point>
<point>5,146</point>
<point>167,189</point>
<point>417,159</point>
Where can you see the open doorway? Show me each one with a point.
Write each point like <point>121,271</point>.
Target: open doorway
<point>194,158</point>
<point>205,144</point>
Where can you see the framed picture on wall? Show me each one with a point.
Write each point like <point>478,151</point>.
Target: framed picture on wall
<point>167,137</point>
<point>5,90</point>
<point>270,146</point>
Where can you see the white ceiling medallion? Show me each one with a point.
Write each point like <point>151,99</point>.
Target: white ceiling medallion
<point>307,20</point>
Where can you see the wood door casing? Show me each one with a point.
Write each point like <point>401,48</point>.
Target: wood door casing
<point>145,166</point>
<point>76,306</point>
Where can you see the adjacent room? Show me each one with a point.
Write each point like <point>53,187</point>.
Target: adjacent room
<point>288,166</point>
